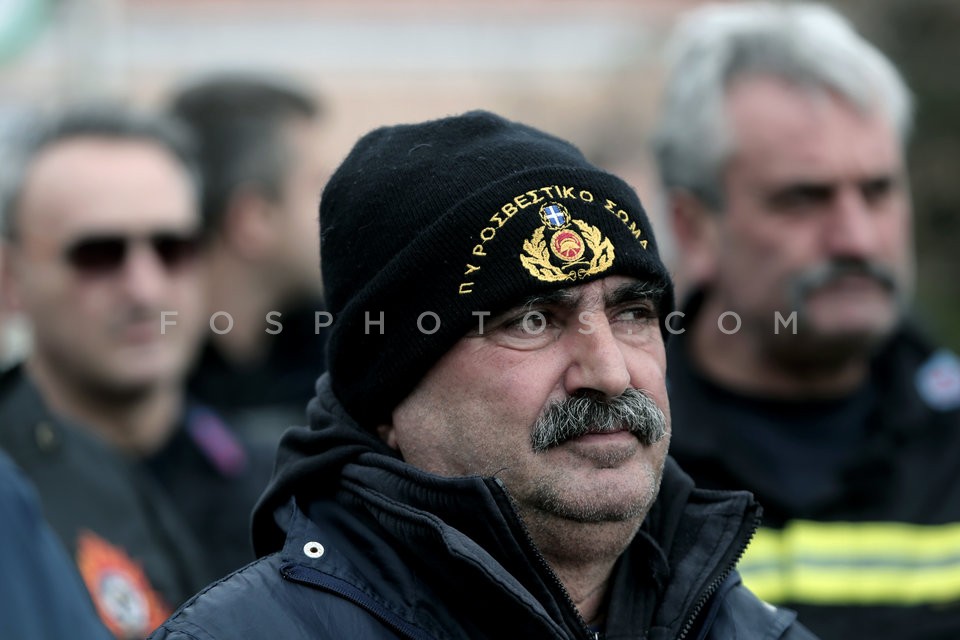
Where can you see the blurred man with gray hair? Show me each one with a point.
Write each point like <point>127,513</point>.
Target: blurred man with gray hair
<point>794,372</point>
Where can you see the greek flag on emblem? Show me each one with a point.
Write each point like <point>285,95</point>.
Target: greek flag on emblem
<point>554,215</point>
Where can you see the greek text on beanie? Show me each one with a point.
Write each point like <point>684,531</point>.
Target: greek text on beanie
<point>451,217</point>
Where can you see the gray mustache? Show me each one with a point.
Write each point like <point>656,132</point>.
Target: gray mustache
<point>833,270</point>
<point>633,410</point>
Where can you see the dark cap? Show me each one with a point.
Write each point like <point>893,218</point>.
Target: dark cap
<point>425,225</point>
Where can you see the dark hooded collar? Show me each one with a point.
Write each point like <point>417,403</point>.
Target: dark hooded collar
<point>310,461</point>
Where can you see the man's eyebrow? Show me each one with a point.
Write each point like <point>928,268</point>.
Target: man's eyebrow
<point>634,291</point>
<point>629,292</point>
<point>558,298</point>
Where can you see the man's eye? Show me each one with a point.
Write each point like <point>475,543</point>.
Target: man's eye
<point>529,323</point>
<point>526,330</point>
<point>800,197</point>
<point>876,190</point>
<point>637,313</point>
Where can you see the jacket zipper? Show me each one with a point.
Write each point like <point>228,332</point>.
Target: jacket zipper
<point>323,581</point>
<point>589,633</point>
<point>716,582</point>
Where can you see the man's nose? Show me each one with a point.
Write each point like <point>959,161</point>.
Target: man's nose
<point>597,361</point>
<point>852,231</point>
<point>144,274</point>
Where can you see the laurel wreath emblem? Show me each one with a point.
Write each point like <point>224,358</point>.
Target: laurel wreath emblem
<point>536,256</point>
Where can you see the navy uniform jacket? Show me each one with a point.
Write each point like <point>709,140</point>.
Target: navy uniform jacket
<point>357,544</point>
<point>41,595</point>
<point>145,535</point>
<point>868,544</point>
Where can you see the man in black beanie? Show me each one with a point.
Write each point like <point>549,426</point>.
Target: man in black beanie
<point>487,454</point>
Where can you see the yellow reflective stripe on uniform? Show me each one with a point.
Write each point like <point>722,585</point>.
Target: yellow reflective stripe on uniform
<point>854,563</point>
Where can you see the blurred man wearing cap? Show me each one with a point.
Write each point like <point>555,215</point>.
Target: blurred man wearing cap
<point>781,147</point>
<point>487,454</point>
<point>149,491</point>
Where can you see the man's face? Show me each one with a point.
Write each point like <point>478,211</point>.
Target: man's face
<point>817,216</point>
<point>97,316</point>
<point>475,410</point>
<point>298,253</point>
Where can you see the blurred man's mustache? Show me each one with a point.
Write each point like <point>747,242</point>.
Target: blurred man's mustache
<point>834,270</point>
<point>633,410</point>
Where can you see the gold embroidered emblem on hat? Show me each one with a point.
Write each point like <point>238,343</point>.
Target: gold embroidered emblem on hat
<point>562,255</point>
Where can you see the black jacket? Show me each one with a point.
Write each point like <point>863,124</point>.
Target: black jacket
<point>145,534</point>
<point>869,545</point>
<point>358,544</point>
<point>261,400</point>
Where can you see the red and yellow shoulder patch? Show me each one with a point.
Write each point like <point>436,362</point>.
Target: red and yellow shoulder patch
<point>125,600</point>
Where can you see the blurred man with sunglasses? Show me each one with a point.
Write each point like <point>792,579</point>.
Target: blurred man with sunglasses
<point>145,488</point>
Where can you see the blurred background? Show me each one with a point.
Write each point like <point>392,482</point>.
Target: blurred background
<point>587,70</point>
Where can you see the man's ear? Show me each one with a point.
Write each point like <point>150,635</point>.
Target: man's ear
<point>388,434</point>
<point>696,231</point>
<point>248,225</point>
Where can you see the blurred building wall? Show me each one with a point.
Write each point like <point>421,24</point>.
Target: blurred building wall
<point>586,70</point>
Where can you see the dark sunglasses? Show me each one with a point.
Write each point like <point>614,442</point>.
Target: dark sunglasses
<point>104,254</point>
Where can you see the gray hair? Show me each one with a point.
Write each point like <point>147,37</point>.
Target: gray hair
<point>97,121</point>
<point>809,45</point>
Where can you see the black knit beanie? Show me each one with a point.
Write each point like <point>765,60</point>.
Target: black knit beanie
<point>425,224</point>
